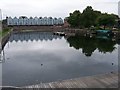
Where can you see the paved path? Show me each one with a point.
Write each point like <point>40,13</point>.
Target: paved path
<point>98,81</point>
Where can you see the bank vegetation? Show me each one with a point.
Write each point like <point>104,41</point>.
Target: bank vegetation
<point>92,19</point>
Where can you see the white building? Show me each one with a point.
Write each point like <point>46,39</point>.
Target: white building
<point>55,21</point>
<point>34,21</point>
<point>30,21</point>
<point>9,21</point>
<point>20,20</point>
<point>25,21</point>
<point>60,21</point>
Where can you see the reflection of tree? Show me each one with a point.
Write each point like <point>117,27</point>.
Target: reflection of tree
<point>105,45</point>
<point>89,45</point>
<point>85,43</point>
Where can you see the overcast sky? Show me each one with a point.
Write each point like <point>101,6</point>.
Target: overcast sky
<point>54,8</point>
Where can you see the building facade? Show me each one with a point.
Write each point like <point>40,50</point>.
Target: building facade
<point>47,21</point>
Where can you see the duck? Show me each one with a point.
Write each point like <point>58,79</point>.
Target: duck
<point>112,63</point>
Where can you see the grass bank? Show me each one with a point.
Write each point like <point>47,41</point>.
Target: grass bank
<point>4,32</point>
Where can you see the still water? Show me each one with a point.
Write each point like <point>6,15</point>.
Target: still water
<point>35,57</point>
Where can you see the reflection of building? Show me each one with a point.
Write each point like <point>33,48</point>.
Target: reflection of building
<point>119,9</point>
<point>34,21</point>
<point>42,36</point>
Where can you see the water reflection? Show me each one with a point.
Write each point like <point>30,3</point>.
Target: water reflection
<point>37,57</point>
<point>2,56</point>
<point>34,36</point>
<point>89,45</point>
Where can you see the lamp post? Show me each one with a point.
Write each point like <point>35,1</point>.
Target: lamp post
<point>0,48</point>
<point>0,29</point>
<point>119,9</point>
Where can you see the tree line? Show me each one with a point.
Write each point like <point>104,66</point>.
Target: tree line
<point>91,18</point>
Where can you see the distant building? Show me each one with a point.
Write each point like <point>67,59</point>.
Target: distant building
<point>119,9</point>
<point>34,21</point>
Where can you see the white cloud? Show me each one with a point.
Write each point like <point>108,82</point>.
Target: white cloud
<point>55,8</point>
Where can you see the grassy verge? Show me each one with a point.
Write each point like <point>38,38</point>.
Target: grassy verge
<point>4,32</point>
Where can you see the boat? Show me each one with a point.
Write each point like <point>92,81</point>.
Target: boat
<point>104,32</point>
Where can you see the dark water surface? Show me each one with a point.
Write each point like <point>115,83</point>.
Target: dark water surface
<point>31,58</point>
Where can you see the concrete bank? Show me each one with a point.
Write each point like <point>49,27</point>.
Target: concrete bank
<point>98,81</point>
<point>5,39</point>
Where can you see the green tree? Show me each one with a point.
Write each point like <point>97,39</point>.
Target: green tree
<point>106,20</point>
<point>89,17</point>
<point>74,18</point>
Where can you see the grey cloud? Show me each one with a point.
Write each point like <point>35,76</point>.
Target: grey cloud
<point>53,8</point>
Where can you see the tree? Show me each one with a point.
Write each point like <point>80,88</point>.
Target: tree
<point>88,17</point>
<point>118,24</point>
<point>106,20</point>
<point>74,18</point>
